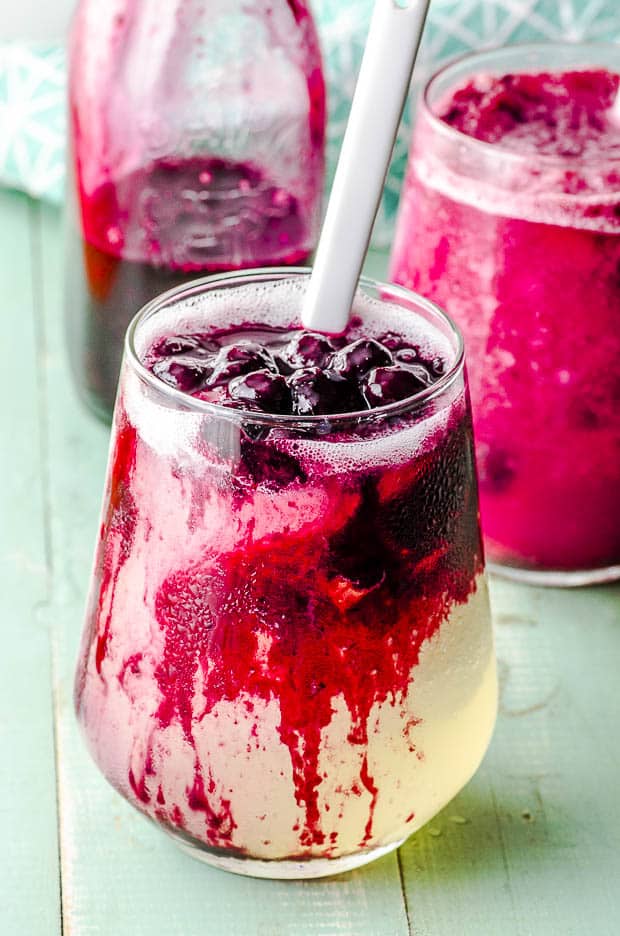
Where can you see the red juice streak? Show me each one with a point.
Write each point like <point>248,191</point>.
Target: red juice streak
<point>118,529</point>
<point>132,665</point>
<point>373,789</point>
<point>220,825</point>
<point>139,787</point>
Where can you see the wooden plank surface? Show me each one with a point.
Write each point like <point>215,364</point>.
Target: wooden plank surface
<point>532,846</point>
<point>539,852</point>
<point>28,817</point>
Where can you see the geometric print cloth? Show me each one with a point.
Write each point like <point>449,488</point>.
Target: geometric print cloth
<point>32,118</point>
<point>33,79</point>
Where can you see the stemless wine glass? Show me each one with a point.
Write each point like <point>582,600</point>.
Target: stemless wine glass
<point>288,660</point>
<point>523,249</point>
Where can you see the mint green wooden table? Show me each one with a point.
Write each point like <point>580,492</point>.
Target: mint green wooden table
<point>531,846</point>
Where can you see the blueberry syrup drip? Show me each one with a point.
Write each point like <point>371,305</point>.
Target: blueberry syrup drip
<point>116,539</point>
<point>304,617</point>
<point>306,375</point>
<point>121,521</point>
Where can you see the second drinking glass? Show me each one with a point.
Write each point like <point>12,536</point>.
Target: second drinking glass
<point>510,219</point>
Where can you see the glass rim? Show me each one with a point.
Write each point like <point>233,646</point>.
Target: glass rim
<point>203,284</point>
<point>506,152</point>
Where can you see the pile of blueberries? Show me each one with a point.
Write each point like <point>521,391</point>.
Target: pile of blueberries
<point>309,375</point>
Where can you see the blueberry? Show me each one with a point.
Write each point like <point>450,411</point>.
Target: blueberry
<point>424,369</point>
<point>180,344</point>
<point>359,357</point>
<point>388,384</point>
<point>438,366</point>
<point>318,392</point>
<point>407,355</point>
<point>308,349</point>
<point>176,344</point>
<point>184,372</point>
<point>283,365</point>
<point>240,358</point>
<point>263,389</point>
<point>392,341</point>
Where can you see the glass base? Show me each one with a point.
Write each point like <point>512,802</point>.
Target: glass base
<point>556,578</point>
<point>281,869</point>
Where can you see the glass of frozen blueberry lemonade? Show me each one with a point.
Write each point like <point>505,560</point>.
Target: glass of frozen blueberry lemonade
<point>510,219</point>
<point>287,661</point>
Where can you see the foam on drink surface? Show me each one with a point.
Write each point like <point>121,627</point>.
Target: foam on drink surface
<point>278,303</point>
<point>543,147</point>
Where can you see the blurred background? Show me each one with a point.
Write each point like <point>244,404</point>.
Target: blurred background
<point>32,73</point>
<point>35,20</point>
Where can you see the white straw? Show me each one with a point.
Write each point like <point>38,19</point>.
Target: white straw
<point>382,85</point>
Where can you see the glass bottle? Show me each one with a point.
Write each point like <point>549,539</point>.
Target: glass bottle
<point>197,145</point>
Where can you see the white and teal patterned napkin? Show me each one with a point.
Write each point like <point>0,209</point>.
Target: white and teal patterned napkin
<point>32,119</point>
<point>32,78</point>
